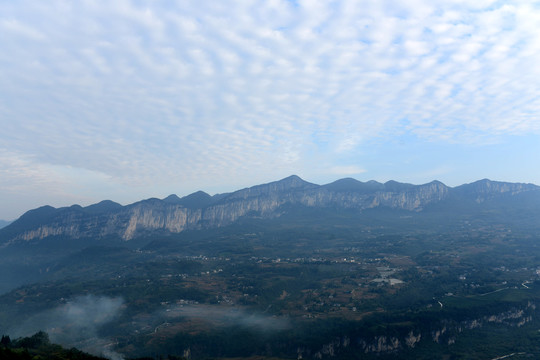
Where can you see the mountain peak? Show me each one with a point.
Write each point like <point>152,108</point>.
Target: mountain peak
<point>393,185</point>
<point>103,206</point>
<point>486,186</point>
<point>482,182</point>
<point>436,182</point>
<point>197,200</point>
<point>40,212</point>
<point>172,199</point>
<point>353,185</point>
<point>292,182</point>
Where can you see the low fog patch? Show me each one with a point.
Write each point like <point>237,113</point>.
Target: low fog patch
<point>224,316</point>
<point>77,323</point>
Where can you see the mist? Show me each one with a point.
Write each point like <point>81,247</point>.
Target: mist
<point>76,324</point>
<point>220,316</point>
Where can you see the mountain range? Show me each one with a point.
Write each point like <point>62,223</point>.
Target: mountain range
<point>199,210</point>
<point>388,269</point>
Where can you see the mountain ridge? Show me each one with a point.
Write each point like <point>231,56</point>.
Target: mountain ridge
<point>200,210</point>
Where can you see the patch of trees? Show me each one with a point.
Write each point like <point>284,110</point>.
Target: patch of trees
<point>39,347</point>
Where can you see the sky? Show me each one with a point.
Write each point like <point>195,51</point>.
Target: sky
<point>126,100</point>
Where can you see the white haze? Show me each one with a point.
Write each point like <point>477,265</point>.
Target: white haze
<point>76,324</point>
<point>229,316</point>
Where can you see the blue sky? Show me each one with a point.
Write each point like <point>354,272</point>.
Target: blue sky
<point>126,100</point>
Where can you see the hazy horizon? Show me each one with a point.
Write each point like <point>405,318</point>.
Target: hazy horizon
<point>212,194</point>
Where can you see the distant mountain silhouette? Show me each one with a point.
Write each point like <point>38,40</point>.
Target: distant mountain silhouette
<point>200,210</point>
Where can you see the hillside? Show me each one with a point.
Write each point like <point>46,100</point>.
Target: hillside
<point>284,270</point>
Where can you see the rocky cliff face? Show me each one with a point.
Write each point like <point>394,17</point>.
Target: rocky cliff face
<point>485,189</point>
<point>200,210</point>
<point>446,333</point>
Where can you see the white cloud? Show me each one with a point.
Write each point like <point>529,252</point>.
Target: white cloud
<point>184,93</point>
<point>19,28</point>
<point>346,170</point>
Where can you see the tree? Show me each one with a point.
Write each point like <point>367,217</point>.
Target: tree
<point>6,341</point>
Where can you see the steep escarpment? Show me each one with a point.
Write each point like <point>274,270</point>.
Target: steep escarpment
<point>202,211</point>
<point>485,189</point>
<point>398,337</point>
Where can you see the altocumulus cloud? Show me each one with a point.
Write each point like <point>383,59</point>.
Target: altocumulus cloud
<point>158,95</point>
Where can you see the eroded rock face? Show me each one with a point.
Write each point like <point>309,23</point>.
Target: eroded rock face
<point>381,344</point>
<point>411,340</point>
<point>173,215</point>
<point>447,333</point>
<point>173,218</point>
